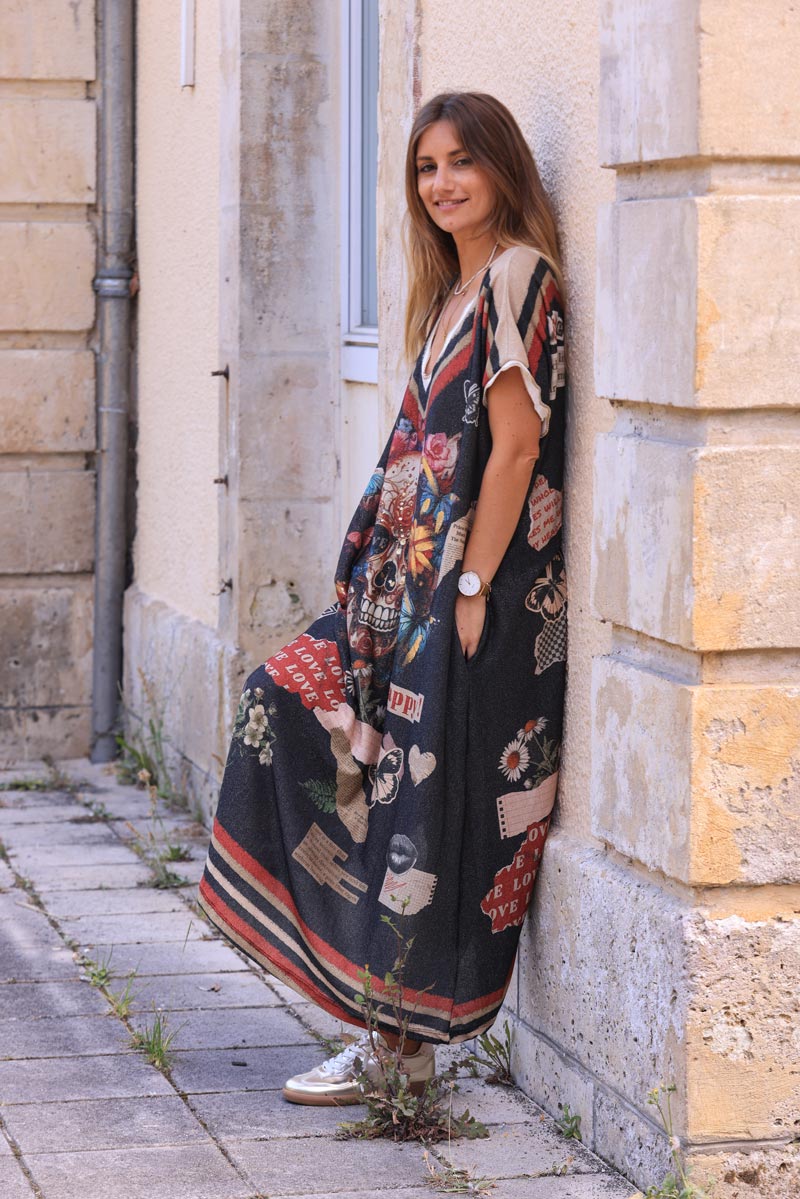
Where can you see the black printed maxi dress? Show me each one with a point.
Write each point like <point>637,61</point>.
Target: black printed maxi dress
<point>371,763</point>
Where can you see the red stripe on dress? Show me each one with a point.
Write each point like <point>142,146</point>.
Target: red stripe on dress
<point>325,952</point>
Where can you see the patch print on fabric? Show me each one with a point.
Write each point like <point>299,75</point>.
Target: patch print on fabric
<point>507,901</point>
<point>544,508</point>
<point>518,810</point>
<point>472,403</point>
<point>252,726</point>
<point>548,596</point>
<point>555,330</point>
<point>311,669</point>
<point>421,765</point>
<point>405,703</point>
<point>321,857</point>
<point>385,776</point>
<point>405,889</point>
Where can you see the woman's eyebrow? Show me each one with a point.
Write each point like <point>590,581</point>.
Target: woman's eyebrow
<point>451,154</point>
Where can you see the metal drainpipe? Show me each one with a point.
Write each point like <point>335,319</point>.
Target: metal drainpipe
<point>112,283</point>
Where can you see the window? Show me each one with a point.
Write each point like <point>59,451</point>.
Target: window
<point>360,171</point>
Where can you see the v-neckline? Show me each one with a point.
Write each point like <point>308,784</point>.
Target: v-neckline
<point>459,321</point>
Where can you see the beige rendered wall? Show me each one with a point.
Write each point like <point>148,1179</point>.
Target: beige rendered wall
<point>47,371</point>
<point>177,233</point>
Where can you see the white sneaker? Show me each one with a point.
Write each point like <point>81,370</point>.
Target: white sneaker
<point>334,1081</point>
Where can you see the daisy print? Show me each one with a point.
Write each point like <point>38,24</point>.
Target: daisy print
<point>531,728</point>
<point>514,760</point>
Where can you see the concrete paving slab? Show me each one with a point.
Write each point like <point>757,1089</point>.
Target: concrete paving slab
<point>31,1001</point>
<point>201,1071</point>
<point>5,1148</point>
<point>67,1036</point>
<point>26,964</point>
<point>175,1172</point>
<point>58,835</point>
<point>103,1124</point>
<point>23,923</point>
<point>566,1186</point>
<point>288,1168</point>
<point>13,1183</point>
<point>321,1021</point>
<point>86,878</point>
<point>137,929</point>
<point>195,957</point>
<point>118,901</point>
<point>181,992</point>
<point>235,1028</point>
<point>42,1080</point>
<point>16,798</point>
<point>36,862</point>
<point>7,880</point>
<point>532,1148</point>
<point>41,813</point>
<point>263,1115</point>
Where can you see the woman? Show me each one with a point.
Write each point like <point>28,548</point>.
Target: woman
<point>399,758</point>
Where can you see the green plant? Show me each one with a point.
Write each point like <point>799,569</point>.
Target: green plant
<point>677,1184</point>
<point>142,760</point>
<point>176,853</point>
<point>154,1040</point>
<point>121,1000</point>
<point>98,973</point>
<point>154,849</point>
<point>495,1055</point>
<point>452,1180</point>
<point>569,1123</point>
<point>393,1109</point>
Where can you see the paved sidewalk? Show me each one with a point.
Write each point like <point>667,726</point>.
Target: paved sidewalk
<point>83,1115</point>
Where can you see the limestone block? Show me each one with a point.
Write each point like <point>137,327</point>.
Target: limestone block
<point>747,547</point>
<point>675,325</point>
<point>642,544</point>
<point>288,408</point>
<point>760,1173</point>
<point>698,546</point>
<point>46,645</point>
<point>628,1138</point>
<point>601,966</point>
<point>27,734</point>
<point>698,77</point>
<point>648,81</point>
<point>552,1078</point>
<point>700,782</point>
<point>47,271</point>
<point>48,40</point>
<point>645,311</point>
<point>180,674</point>
<point>47,151</point>
<point>287,560</point>
<point>49,521</point>
<point>743,1028</point>
<point>46,401</point>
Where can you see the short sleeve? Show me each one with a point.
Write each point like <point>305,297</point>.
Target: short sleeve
<point>520,313</point>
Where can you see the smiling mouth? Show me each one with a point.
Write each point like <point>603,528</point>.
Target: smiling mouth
<point>449,203</point>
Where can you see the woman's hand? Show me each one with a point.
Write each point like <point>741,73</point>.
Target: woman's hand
<point>470,618</point>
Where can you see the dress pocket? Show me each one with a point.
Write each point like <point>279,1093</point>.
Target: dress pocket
<point>484,637</point>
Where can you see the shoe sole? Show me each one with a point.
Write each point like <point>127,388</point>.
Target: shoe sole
<point>321,1100</point>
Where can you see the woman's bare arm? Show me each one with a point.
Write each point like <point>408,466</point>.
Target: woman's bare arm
<point>516,429</point>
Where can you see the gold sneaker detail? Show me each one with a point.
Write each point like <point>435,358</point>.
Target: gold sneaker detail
<point>333,1083</point>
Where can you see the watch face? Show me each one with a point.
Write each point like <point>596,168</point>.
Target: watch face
<point>469,583</point>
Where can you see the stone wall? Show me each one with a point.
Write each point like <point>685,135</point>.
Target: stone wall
<point>47,427</point>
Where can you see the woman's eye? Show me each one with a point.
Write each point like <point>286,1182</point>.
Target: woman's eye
<point>424,168</point>
<point>464,162</point>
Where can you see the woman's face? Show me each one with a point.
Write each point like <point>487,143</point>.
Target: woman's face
<point>458,195</point>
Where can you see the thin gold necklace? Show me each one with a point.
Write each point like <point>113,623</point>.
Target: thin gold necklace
<point>460,290</point>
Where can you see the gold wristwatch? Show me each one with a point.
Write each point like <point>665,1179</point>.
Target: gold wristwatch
<point>470,583</point>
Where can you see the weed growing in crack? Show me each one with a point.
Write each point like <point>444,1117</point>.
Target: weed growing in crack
<point>396,1108</point>
<point>494,1053</point>
<point>97,973</point>
<point>154,1040</point>
<point>143,758</point>
<point>569,1124</point>
<point>156,850</point>
<point>453,1180</point>
<point>677,1184</point>
<point>121,1000</point>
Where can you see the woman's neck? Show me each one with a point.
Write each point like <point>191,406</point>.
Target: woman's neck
<point>473,252</point>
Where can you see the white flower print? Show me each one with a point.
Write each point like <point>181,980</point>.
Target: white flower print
<point>514,760</point>
<point>265,757</point>
<point>531,727</point>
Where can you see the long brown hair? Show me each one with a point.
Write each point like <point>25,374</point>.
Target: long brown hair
<point>521,215</point>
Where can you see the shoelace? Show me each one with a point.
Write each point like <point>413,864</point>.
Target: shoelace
<point>358,1048</point>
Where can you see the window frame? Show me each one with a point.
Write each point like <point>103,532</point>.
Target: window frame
<point>359,343</point>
